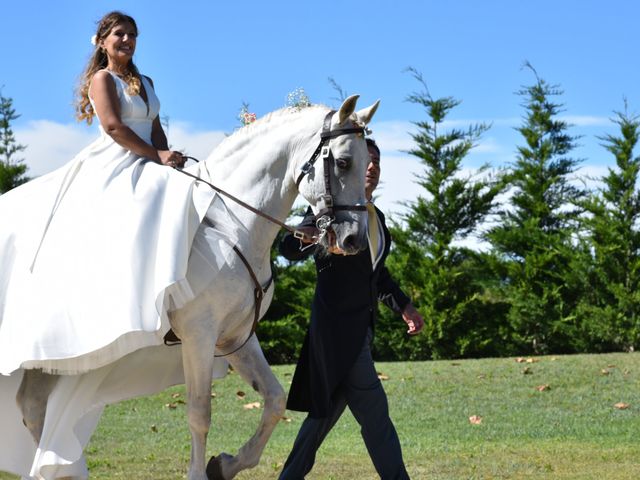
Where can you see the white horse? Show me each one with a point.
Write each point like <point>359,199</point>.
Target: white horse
<point>267,165</point>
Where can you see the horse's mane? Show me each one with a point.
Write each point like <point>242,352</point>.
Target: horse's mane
<point>242,135</point>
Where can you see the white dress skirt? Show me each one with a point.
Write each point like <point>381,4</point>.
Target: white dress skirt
<point>92,257</point>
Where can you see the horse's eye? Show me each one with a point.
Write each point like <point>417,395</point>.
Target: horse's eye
<point>344,163</point>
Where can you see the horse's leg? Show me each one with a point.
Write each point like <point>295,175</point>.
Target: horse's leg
<point>32,399</point>
<point>250,363</point>
<point>197,357</point>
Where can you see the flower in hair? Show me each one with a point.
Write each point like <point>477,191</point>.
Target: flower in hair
<point>94,40</point>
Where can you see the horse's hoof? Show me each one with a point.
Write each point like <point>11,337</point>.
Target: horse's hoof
<point>214,469</point>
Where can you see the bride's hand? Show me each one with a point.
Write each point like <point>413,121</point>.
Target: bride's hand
<point>170,158</point>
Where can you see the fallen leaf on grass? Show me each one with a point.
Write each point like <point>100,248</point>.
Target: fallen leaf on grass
<point>475,419</point>
<point>622,406</point>
<point>175,395</point>
<point>527,371</point>
<point>251,406</point>
<point>285,419</point>
<point>240,394</point>
<point>213,395</point>
<point>604,371</point>
<point>526,360</point>
<point>382,376</point>
<point>171,405</point>
<point>154,429</point>
<point>543,388</point>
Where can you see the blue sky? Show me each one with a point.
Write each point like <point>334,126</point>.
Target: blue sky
<point>208,57</point>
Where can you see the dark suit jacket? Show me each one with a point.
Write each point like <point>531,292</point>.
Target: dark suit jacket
<point>344,307</point>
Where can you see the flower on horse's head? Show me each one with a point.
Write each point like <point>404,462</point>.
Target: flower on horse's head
<point>245,116</point>
<point>298,99</point>
<point>248,118</point>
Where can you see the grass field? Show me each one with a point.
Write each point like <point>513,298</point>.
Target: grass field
<point>562,417</point>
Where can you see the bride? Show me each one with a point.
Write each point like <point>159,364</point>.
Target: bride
<point>95,253</point>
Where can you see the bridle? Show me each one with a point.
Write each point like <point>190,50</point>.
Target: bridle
<point>324,218</point>
<point>326,213</point>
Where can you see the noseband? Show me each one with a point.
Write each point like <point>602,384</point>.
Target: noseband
<point>326,213</point>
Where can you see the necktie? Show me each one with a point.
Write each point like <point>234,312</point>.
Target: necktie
<point>373,233</point>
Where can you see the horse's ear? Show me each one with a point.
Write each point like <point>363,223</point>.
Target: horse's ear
<point>347,108</point>
<point>366,114</point>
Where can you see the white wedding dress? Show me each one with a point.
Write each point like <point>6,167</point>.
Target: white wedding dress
<point>93,256</point>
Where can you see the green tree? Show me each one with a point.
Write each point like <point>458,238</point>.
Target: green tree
<point>534,237</point>
<point>444,280</point>
<point>609,313</point>
<point>12,169</point>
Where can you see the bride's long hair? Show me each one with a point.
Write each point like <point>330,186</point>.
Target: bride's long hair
<point>99,60</point>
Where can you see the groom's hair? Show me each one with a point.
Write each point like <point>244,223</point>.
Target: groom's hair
<point>372,143</point>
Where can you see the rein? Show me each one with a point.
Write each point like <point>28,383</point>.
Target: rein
<point>296,233</point>
<point>324,218</point>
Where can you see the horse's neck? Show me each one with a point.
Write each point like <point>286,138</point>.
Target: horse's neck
<point>259,166</point>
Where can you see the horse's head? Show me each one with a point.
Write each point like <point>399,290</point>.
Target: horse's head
<point>333,180</point>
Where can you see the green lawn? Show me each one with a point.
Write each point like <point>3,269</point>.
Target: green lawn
<point>570,430</point>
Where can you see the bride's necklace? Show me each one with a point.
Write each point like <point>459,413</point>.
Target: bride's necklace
<point>132,81</point>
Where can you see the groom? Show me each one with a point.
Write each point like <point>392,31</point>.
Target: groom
<point>335,368</point>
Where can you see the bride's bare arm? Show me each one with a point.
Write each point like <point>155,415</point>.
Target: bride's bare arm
<point>107,105</point>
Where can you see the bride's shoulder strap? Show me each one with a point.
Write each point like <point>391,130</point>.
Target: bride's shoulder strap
<point>148,79</point>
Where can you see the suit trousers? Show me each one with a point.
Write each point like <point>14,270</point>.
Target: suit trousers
<point>362,392</point>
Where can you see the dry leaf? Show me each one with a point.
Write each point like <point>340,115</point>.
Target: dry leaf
<point>240,394</point>
<point>481,376</point>
<point>154,428</point>
<point>526,360</point>
<point>475,419</point>
<point>175,395</point>
<point>527,371</point>
<point>285,419</point>
<point>171,405</point>
<point>251,406</point>
<point>543,388</point>
<point>604,371</point>
<point>213,395</point>
<point>455,364</point>
<point>382,376</point>
<point>611,366</point>
<point>622,406</point>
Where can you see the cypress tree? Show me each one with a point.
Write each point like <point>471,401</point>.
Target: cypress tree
<point>444,280</point>
<point>534,235</point>
<point>12,169</point>
<point>610,310</point>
